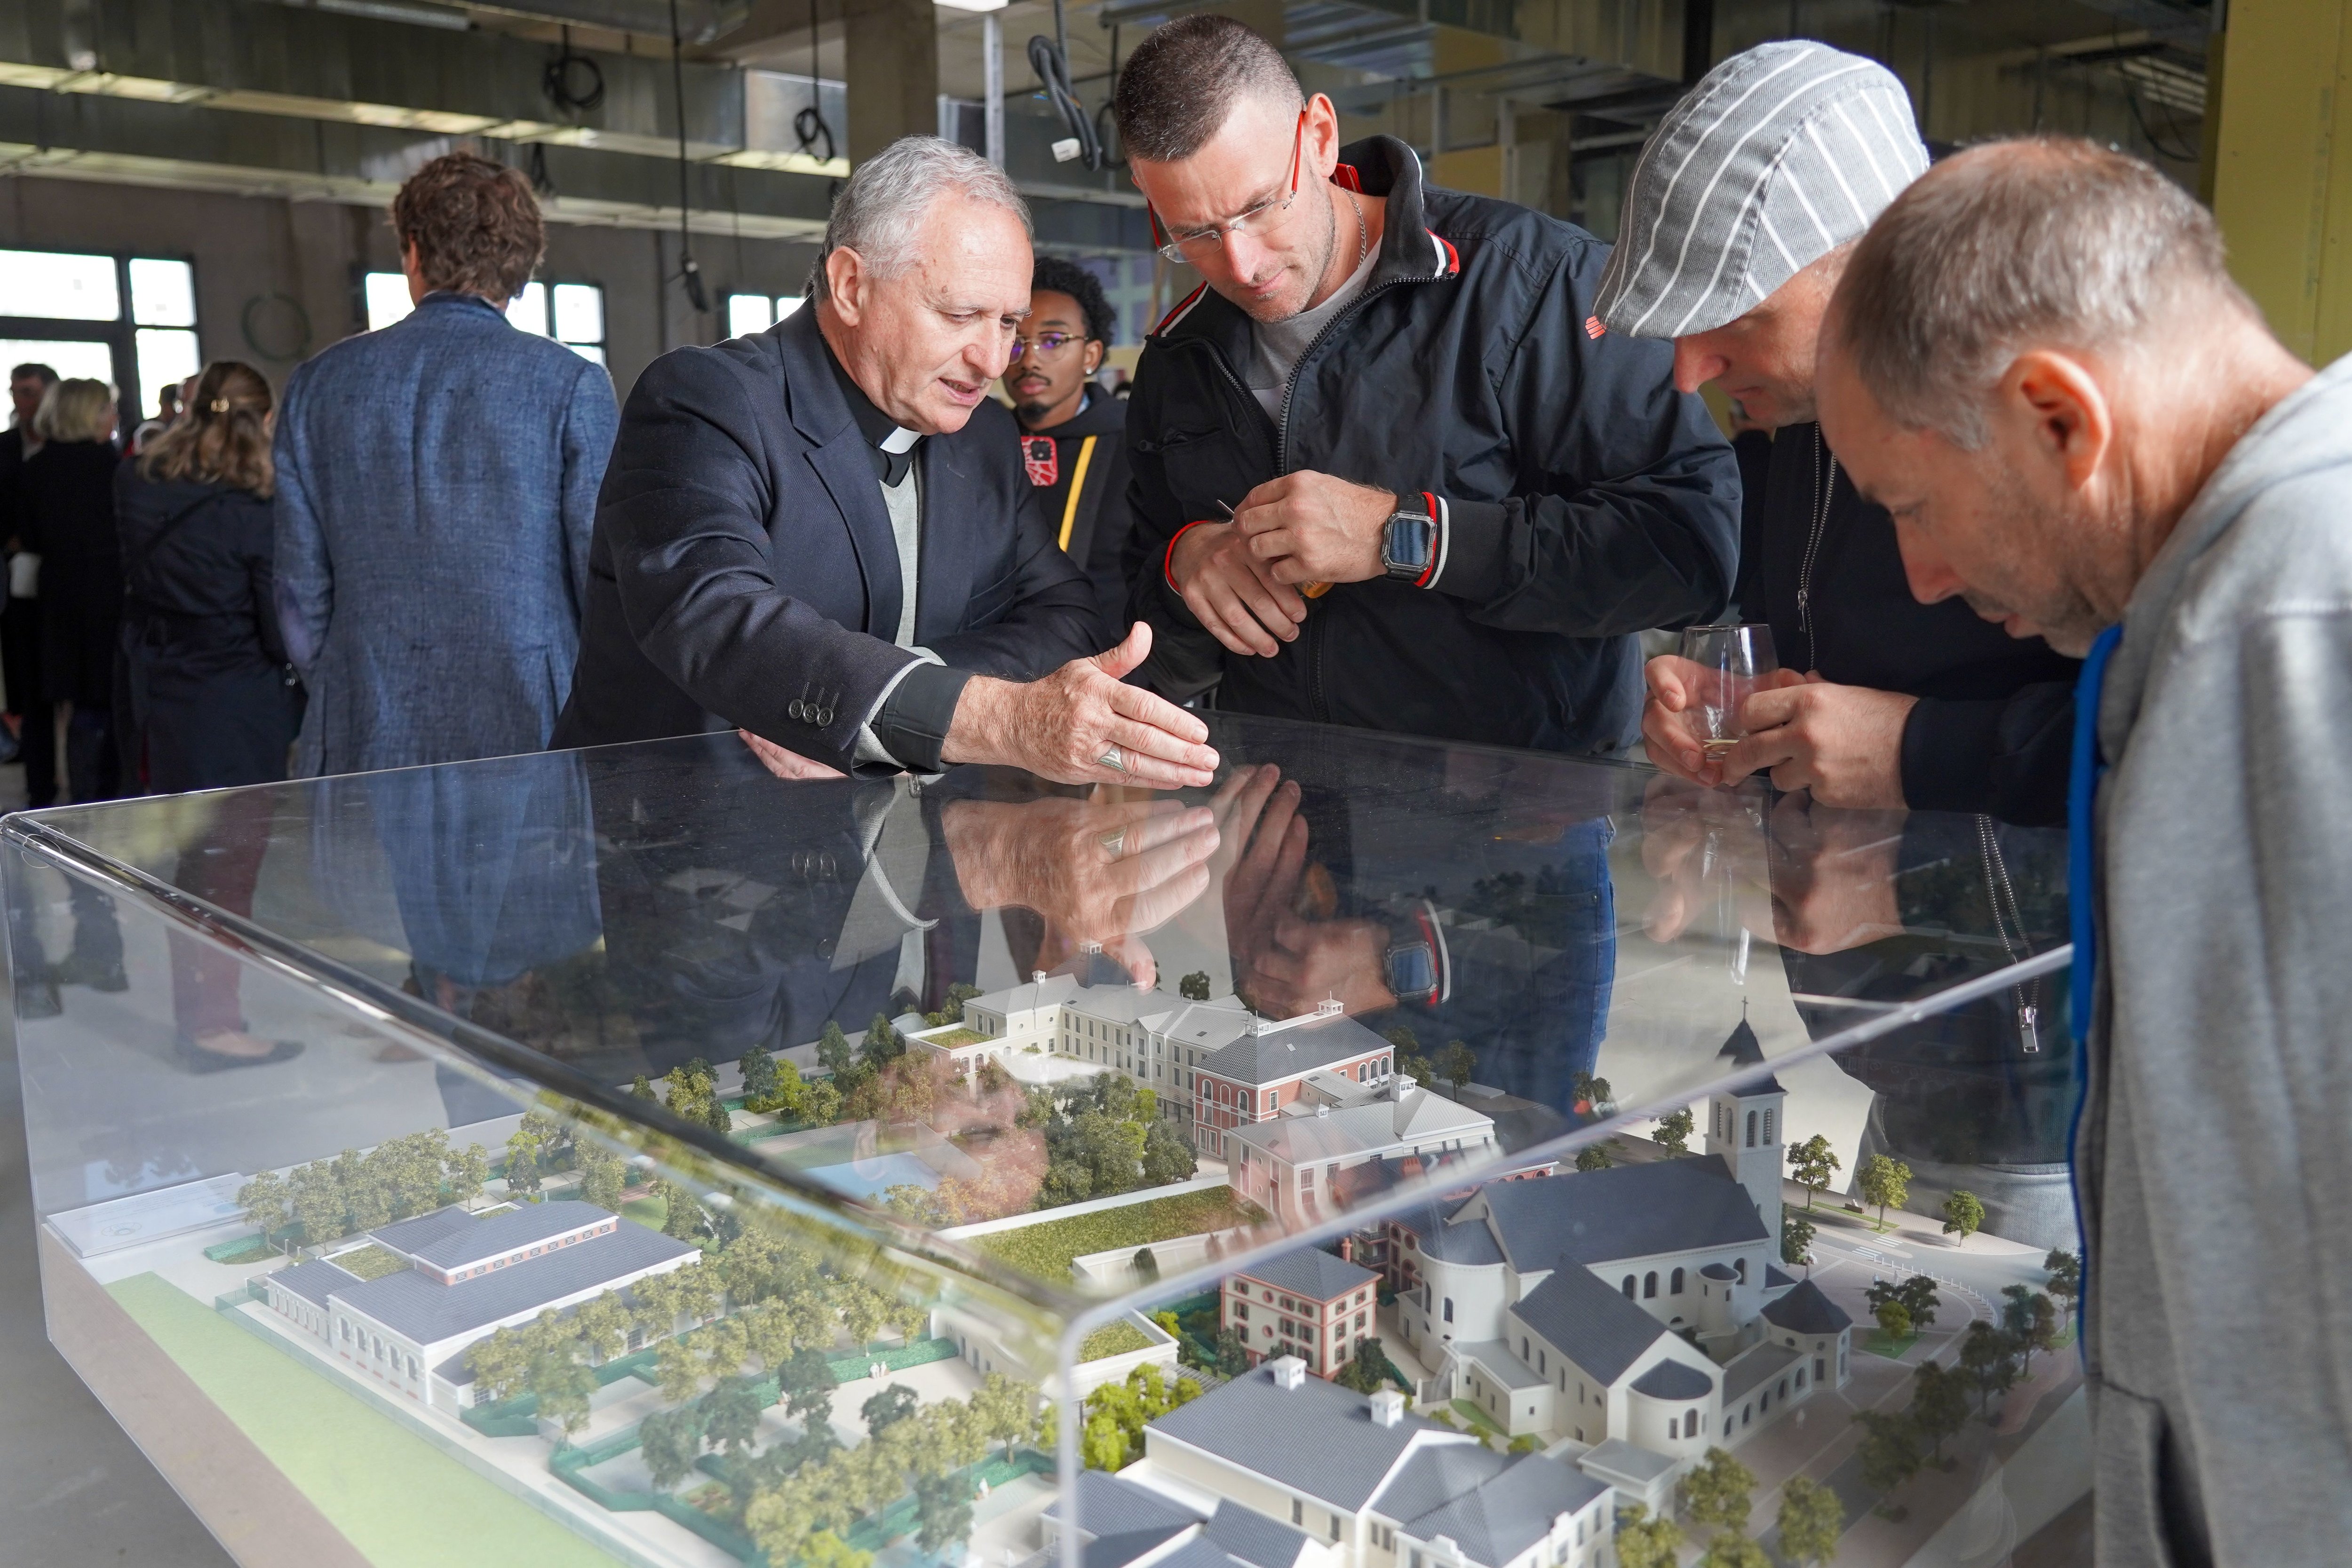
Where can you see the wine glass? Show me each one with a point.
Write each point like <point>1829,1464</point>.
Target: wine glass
<point>1730,660</point>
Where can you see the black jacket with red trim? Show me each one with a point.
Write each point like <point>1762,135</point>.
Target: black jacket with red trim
<point>1584,498</point>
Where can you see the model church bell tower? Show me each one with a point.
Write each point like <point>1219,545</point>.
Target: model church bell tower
<point>1744,1127</point>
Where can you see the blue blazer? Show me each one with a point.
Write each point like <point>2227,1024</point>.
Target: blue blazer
<point>744,574</point>
<point>437,485</point>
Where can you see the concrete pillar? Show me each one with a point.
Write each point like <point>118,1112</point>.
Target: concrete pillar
<point>893,73</point>
<point>2283,167</point>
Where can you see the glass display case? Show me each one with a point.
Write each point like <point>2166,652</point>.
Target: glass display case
<point>1401,1156</point>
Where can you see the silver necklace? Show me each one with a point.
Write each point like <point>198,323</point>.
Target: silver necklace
<point>1363,235</point>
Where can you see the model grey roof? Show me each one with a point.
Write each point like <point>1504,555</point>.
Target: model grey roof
<point>1254,1539</point>
<point>1497,1358</point>
<point>1416,1119</point>
<point>312,1281</point>
<point>1620,1460</point>
<point>1293,1049</point>
<point>524,1225</point>
<point>408,1235</point>
<point>1673,1380</point>
<point>1806,1309</point>
<point>1317,1439</point>
<point>1776,1277</point>
<point>1625,1211</point>
<point>1111,1506</point>
<point>1310,1271</point>
<point>1467,1242</point>
<point>1718,1271</point>
<point>1753,1367</point>
<point>1595,1327</point>
<point>1743,1050</point>
<point>428,1311</point>
<point>1502,1516</point>
<point>1436,1476</point>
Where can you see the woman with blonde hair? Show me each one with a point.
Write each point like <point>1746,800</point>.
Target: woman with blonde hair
<point>67,520</point>
<point>208,675</point>
<point>210,692</point>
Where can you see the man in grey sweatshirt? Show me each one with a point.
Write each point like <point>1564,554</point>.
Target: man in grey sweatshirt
<point>2037,363</point>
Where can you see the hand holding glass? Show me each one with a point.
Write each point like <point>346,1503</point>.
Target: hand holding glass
<point>1728,665</point>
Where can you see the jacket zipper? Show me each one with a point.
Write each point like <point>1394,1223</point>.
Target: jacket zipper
<point>1823,499</point>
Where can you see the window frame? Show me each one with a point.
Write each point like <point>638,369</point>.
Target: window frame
<point>120,334</point>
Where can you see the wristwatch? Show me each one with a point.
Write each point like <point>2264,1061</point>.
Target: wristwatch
<point>1418,966</point>
<point>1409,539</point>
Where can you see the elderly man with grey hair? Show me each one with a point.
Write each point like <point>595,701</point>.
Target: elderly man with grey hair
<point>822,536</point>
<point>1743,210</point>
<point>2039,364</point>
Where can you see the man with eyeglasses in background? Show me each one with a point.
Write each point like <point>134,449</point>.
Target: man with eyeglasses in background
<point>1074,433</point>
<point>1389,470</point>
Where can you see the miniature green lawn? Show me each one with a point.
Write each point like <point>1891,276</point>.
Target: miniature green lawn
<point>1047,1249</point>
<point>1877,1343</point>
<point>401,1503</point>
<point>1113,1339</point>
<point>370,1262</point>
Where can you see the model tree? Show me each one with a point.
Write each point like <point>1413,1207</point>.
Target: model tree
<point>2031,1321</point>
<point>1715,1490</point>
<point>943,1511</point>
<point>1595,1157</point>
<point>1939,1404</point>
<point>683,1216</point>
<point>1811,1521</point>
<point>1889,1450</point>
<point>642,1089</point>
<point>670,1441</point>
<point>1730,1550</point>
<point>1232,1353</point>
<point>1590,1093</point>
<point>826,1550</point>
<point>1007,1409</point>
<point>2065,1280</point>
<point>603,1176</point>
<point>1987,1356</point>
<point>268,1203</point>
<point>759,1069</point>
<point>1646,1543</point>
<point>833,1049</point>
<point>1674,1131</point>
<point>1797,1241</point>
<point>1457,1063</point>
<point>468,1172</point>
<point>1884,1182</point>
<point>1410,1062</point>
<point>1194,986</point>
<point>882,1044</point>
<point>730,1415</point>
<point>950,1008</point>
<point>1367,1371</point>
<point>1813,1163</point>
<point>1916,1295</point>
<point>1893,1321</point>
<point>1964,1215</point>
<point>807,1381</point>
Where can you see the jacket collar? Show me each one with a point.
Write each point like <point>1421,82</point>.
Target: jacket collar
<point>1410,253</point>
<point>455,299</point>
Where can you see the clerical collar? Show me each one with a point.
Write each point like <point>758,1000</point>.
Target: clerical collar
<point>893,444</point>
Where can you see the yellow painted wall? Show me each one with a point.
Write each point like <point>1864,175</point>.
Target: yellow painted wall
<point>2283,174</point>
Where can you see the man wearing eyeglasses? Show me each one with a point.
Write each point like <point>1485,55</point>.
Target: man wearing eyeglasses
<point>1389,472</point>
<point>1073,432</point>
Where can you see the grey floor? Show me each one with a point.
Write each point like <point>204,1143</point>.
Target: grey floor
<point>74,1492</point>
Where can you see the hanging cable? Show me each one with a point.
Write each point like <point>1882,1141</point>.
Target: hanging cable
<point>809,127</point>
<point>690,273</point>
<point>1105,123</point>
<point>1050,58</point>
<point>572,81</point>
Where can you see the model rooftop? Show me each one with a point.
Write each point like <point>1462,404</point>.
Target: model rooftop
<point>1311,1272</point>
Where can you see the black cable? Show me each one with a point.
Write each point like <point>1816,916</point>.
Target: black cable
<point>2140,117</point>
<point>1050,58</point>
<point>690,273</point>
<point>562,81</point>
<point>808,126</point>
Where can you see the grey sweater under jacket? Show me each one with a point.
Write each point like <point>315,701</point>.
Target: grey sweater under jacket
<point>2214,1153</point>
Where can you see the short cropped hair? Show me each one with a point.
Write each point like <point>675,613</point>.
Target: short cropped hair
<point>33,371</point>
<point>1181,84</point>
<point>1064,277</point>
<point>879,212</point>
<point>475,224</point>
<point>2039,240</point>
<point>76,409</point>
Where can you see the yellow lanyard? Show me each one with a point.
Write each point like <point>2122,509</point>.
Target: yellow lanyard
<point>1077,484</point>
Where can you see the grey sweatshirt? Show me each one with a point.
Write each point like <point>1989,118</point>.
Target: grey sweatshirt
<point>2214,1153</point>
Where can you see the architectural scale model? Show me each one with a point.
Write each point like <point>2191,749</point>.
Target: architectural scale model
<point>1308,1303</point>
<point>459,1279</point>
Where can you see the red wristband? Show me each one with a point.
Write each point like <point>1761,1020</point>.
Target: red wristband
<point>1431,571</point>
<point>1168,561</point>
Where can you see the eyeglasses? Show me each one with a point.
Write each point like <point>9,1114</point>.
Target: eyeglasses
<point>1044,346</point>
<point>1259,219</point>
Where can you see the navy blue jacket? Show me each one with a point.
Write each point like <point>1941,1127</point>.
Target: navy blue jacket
<point>744,574</point>
<point>437,481</point>
<point>1587,500</point>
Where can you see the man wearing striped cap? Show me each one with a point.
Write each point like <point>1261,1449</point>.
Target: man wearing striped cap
<point>1742,212</point>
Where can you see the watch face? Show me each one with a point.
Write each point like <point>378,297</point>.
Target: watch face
<point>1412,971</point>
<point>1407,542</point>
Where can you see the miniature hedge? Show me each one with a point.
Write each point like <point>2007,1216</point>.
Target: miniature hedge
<point>1048,1248</point>
<point>1113,1339</point>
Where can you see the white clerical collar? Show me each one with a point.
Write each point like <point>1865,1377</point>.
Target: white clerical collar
<point>901,439</point>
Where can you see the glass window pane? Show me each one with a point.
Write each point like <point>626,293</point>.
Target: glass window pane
<point>749,313</point>
<point>786,304</point>
<point>589,351</point>
<point>387,299</point>
<point>59,287</point>
<point>166,355</point>
<point>91,362</point>
<point>163,293</point>
<point>578,313</point>
<point>528,309</point>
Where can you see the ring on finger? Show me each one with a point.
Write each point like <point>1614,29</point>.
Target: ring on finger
<point>1113,760</point>
<point>1114,844</point>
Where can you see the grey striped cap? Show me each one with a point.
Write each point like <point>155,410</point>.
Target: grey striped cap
<point>1779,156</point>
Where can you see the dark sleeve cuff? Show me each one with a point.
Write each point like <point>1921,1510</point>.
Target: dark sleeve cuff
<point>1474,550</point>
<point>2005,756</point>
<point>912,725</point>
<point>1948,754</point>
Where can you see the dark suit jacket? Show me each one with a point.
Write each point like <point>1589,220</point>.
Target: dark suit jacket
<point>743,572</point>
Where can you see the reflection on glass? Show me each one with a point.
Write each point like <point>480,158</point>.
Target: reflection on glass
<point>167,356</point>
<point>56,285</point>
<point>163,293</point>
<point>748,1166</point>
